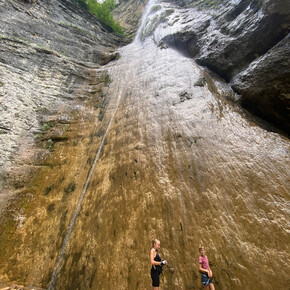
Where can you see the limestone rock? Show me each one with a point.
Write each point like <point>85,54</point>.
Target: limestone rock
<point>147,146</point>
<point>264,85</point>
<point>49,51</point>
<point>231,38</point>
<point>128,13</point>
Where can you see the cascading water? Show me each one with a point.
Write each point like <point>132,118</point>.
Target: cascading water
<point>190,168</point>
<point>59,261</point>
<point>180,163</point>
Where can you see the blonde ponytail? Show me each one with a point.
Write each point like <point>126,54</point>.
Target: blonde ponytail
<point>154,241</point>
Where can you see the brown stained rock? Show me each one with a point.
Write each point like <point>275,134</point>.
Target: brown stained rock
<point>15,287</point>
<point>46,62</point>
<point>191,172</point>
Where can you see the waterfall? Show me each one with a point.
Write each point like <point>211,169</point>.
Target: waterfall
<point>200,156</point>
<point>181,156</point>
<point>62,252</point>
<point>145,20</point>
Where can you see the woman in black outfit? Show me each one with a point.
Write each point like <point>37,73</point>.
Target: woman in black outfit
<point>156,263</point>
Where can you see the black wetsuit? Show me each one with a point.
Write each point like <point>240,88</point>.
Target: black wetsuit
<point>156,271</point>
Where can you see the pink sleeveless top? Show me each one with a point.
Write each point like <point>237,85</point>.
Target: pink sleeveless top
<point>204,262</point>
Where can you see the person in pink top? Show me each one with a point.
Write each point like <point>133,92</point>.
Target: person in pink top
<point>204,269</point>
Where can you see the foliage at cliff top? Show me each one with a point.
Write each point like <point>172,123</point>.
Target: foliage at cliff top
<point>209,3</point>
<point>212,4</point>
<point>103,12</point>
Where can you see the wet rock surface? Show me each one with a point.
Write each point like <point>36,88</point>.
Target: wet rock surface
<point>267,97</point>
<point>60,26</point>
<point>230,37</point>
<point>48,55</point>
<point>128,13</point>
<point>151,145</point>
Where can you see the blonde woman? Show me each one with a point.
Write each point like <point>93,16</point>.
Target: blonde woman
<point>204,269</point>
<point>157,264</point>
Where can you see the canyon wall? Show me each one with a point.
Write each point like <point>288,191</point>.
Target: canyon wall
<point>49,54</point>
<point>104,148</point>
<point>242,42</point>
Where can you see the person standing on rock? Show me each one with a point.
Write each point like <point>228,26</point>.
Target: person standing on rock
<point>157,264</point>
<point>204,269</point>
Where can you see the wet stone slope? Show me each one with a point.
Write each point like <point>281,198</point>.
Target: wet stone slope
<point>177,161</point>
<point>48,54</point>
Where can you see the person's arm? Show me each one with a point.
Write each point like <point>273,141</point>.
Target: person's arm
<point>210,273</point>
<point>202,269</point>
<point>152,256</point>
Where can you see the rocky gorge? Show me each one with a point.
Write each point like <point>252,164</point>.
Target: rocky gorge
<point>108,141</point>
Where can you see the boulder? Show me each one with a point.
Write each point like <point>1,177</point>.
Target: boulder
<point>264,85</point>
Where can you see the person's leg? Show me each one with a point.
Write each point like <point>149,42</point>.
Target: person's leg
<point>211,286</point>
<point>205,281</point>
<point>155,280</point>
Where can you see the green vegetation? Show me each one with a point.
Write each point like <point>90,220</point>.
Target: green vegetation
<point>41,136</point>
<point>1,84</point>
<point>103,12</point>
<point>47,126</point>
<point>49,144</point>
<point>38,136</point>
<point>213,4</point>
<point>107,80</point>
<point>155,8</point>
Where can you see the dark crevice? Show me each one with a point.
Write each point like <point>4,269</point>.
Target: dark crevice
<point>274,114</point>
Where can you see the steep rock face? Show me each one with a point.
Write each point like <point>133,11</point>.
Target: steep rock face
<point>62,26</point>
<point>48,55</point>
<point>179,163</point>
<point>268,97</point>
<point>128,13</point>
<point>158,152</point>
<point>228,37</point>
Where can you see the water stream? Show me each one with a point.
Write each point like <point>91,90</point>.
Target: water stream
<point>202,172</point>
<point>115,102</point>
